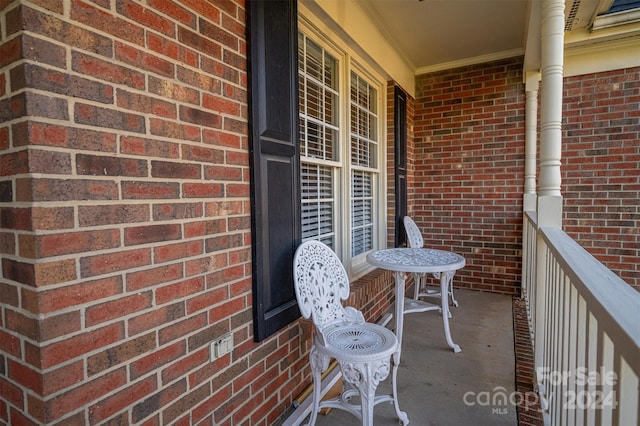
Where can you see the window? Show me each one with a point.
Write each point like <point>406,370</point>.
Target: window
<point>340,130</point>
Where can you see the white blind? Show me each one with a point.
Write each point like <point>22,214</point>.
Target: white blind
<point>318,204</point>
<point>319,139</point>
<point>364,140</point>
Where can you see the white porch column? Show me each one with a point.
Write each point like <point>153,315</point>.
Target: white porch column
<point>549,206</point>
<point>531,138</point>
<point>552,61</point>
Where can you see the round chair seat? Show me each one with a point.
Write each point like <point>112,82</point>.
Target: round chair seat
<point>358,342</point>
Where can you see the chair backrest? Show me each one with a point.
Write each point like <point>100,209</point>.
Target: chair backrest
<point>413,233</point>
<point>321,282</point>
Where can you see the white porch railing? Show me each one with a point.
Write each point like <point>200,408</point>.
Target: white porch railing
<point>585,324</point>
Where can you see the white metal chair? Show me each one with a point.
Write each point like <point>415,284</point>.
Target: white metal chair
<point>415,240</point>
<point>365,351</point>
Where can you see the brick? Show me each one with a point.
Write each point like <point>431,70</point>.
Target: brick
<point>24,376</point>
<point>155,318</point>
<point>109,118</point>
<point>176,12</point>
<point>39,105</point>
<point>199,43</point>
<point>110,166</point>
<point>178,330</point>
<point>202,190</point>
<point>146,17</point>
<point>21,272</point>
<point>199,80</point>
<point>76,242</point>
<point>6,191</point>
<point>83,395</point>
<point>11,393</point>
<point>238,190</point>
<point>144,60</point>
<point>211,404</point>
<point>113,309</point>
<point>165,169</point>
<point>10,344</point>
<point>46,162</point>
<point>107,71</point>
<point>224,139</point>
<point>170,90</point>
<point>112,214</point>
<point>221,105</point>
<point>53,28</point>
<point>151,234</point>
<point>106,22</point>
<point>169,252</point>
<point>42,189</point>
<point>199,117</point>
<point>226,309</point>
<point>173,211</point>
<point>186,364</point>
<point>14,163</point>
<point>22,325</point>
<point>10,52</point>
<point>219,34</point>
<point>43,51</point>
<point>203,153</point>
<point>16,218</point>
<point>221,70</point>
<point>146,104</point>
<point>72,347</point>
<point>149,147</point>
<point>35,77</point>
<point>173,50</point>
<point>122,399</point>
<point>158,400</point>
<point>212,12</point>
<point>150,190</point>
<point>179,290</point>
<point>186,403</point>
<point>156,359</point>
<point>151,277</point>
<point>4,131</point>
<point>73,295</point>
<point>62,378</point>
<point>173,130</point>
<point>111,262</point>
<point>120,354</point>
<point>60,325</point>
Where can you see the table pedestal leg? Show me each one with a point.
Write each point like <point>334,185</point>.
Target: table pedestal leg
<point>400,278</point>
<point>445,281</point>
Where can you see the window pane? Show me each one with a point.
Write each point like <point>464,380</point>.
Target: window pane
<point>361,212</point>
<point>319,112</point>
<point>364,123</point>
<point>318,204</point>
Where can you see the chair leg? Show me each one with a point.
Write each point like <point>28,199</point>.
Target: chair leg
<point>402,416</point>
<point>319,363</point>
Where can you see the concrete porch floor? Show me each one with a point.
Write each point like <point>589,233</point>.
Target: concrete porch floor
<point>439,387</point>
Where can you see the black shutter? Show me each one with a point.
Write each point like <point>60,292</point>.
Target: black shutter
<point>275,174</point>
<point>400,169</point>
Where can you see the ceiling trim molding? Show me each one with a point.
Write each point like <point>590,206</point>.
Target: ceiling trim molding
<point>471,61</point>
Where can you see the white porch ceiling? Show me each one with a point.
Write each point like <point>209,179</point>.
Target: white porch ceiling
<point>440,34</point>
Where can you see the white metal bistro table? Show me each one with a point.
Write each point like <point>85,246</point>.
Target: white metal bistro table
<point>422,260</point>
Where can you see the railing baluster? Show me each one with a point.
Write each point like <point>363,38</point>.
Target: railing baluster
<point>588,356</point>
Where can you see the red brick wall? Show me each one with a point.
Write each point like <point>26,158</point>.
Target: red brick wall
<point>469,165</point>
<point>601,167</point>
<point>125,220</point>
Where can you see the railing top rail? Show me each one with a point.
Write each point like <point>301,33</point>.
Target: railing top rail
<point>615,303</point>
<point>532,215</point>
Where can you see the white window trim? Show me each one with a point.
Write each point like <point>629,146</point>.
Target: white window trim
<point>350,60</point>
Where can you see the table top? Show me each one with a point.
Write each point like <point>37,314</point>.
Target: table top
<point>407,259</point>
